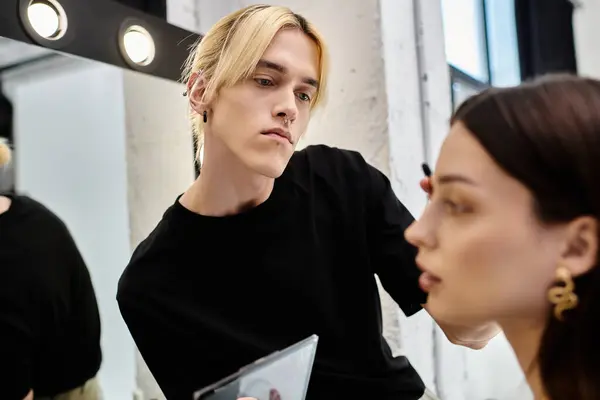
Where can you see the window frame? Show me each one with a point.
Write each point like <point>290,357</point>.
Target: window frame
<point>458,75</point>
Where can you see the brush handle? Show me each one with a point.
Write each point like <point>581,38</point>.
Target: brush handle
<point>426,169</point>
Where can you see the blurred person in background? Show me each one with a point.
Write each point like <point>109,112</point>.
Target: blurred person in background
<point>49,320</point>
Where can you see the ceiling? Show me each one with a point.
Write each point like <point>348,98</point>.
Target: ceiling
<point>13,52</point>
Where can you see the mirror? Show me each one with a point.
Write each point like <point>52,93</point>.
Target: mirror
<point>107,150</point>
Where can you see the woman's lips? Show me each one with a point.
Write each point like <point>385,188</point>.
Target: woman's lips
<point>427,281</point>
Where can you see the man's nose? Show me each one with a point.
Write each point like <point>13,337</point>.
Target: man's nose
<point>287,105</point>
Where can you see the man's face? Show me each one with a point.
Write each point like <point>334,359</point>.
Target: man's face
<point>249,118</point>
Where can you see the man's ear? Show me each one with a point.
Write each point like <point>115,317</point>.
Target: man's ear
<point>196,87</point>
<point>581,245</point>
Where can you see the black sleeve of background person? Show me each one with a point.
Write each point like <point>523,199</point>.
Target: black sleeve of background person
<point>85,328</point>
<point>47,264</point>
<point>393,258</point>
<point>18,307</point>
<point>16,334</point>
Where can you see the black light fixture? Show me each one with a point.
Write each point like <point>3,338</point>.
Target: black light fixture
<point>101,30</point>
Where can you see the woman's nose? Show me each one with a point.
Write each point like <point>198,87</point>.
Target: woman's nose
<point>420,232</point>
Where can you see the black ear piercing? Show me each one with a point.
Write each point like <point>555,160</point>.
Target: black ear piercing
<point>204,114</point>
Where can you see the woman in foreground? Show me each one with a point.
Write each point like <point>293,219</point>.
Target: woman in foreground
<point>511,232</point>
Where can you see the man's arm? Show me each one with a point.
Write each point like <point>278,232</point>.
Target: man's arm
<point>168,342</point>
<point>393,260</point>
<point>158,341</point>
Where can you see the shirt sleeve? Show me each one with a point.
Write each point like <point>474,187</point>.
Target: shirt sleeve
<point>392,257</point>
<point>165,345</point>
<point>85,315</point>
<point>17,339</point>
<point>157,349</point>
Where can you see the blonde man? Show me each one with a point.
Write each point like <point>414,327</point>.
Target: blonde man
<point>269,244</point>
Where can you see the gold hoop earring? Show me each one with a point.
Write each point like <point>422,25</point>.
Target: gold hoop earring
<point>563,296</point>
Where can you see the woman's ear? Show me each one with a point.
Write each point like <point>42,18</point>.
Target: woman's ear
<point>580,254</point>
<point>196,87</point>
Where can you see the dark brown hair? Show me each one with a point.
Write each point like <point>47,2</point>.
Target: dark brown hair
<point>546,134</point>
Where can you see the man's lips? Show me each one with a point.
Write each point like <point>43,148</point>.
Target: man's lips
<point>278,133</point>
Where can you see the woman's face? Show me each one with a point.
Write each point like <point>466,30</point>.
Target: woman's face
<point>479,237</point>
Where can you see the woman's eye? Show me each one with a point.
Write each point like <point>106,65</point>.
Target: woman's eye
<point>454,208</point>
<point>264,82</point>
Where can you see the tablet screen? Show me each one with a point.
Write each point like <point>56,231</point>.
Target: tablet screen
<point>283,375</point>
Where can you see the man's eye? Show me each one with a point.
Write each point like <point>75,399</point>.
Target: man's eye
<point>264,82</point>
<point>303,97</point>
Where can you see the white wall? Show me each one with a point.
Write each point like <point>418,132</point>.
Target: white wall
<point>586,21</point>
<point>70,155</point>
<point>159,165</point>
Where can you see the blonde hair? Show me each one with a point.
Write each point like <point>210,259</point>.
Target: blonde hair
<point>5,153</point>
<point>232,48</point>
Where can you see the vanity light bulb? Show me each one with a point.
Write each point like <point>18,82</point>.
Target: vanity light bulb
<point>47,18</point>
<point>139,45</point>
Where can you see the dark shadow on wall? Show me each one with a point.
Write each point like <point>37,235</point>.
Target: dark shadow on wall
<point>157,8</point>
<point>545,37</point>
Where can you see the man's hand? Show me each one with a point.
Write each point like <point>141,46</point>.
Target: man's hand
<point>273,395</point>
<point>29,395</point>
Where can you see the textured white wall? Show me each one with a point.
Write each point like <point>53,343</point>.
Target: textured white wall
<point>159,165</point>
